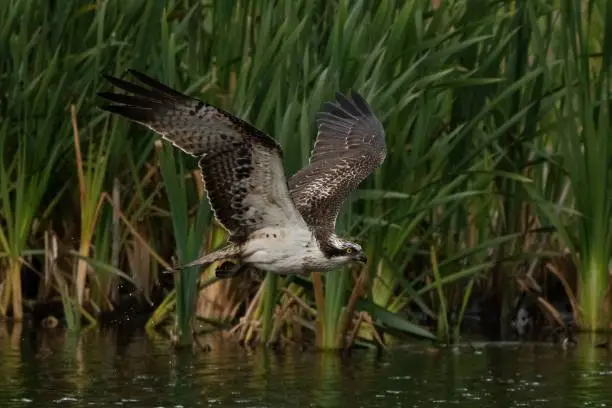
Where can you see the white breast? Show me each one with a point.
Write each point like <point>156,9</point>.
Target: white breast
<point>284,250</point>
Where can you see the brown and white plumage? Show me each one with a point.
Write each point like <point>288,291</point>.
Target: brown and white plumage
<point>242,166</point>
<point>273,225</point>
<point>350,145</point>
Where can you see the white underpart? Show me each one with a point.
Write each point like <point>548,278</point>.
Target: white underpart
<point>288,250</point>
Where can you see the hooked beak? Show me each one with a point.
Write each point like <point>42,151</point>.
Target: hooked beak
<point>362,258</point>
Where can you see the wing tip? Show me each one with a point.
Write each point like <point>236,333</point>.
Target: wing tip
<point>361,102</point>
<point>135,113</point>
<point>118,82</point>
<point>350,116</point>
<point>147,87</point>
<point>109,96</point>
<point>354,105</point>
<point>134,72</point>
<point>130,71</point>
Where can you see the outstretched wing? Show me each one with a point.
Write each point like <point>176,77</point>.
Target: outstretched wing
<point>241,166</point>
<point>350,145</point>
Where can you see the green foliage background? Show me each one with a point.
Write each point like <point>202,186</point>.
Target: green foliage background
<point>497,121</point>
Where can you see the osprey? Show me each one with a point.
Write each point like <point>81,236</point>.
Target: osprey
<point>273,225</point>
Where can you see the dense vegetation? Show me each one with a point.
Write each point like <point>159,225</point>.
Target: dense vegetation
<point>497,181</point>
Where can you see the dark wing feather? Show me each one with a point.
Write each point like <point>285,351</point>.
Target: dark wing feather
<point>241,166</point>
<point>350,145</point>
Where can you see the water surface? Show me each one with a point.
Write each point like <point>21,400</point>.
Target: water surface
<point>126,368</point>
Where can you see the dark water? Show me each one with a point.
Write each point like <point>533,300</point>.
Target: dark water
<point>115,369</point>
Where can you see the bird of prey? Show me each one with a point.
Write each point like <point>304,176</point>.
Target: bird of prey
<point>274,225</point>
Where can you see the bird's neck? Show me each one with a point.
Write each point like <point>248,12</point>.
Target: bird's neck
<point>329,243</point>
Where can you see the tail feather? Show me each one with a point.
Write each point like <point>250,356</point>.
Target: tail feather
<point>227,252</point>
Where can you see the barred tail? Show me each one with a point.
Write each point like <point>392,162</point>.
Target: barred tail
<point>227,252</point>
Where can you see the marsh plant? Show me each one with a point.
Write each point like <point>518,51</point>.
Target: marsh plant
<point>499,162</point>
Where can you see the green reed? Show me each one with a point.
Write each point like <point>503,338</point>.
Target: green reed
<point>486,105</point>
<point>586,150</point>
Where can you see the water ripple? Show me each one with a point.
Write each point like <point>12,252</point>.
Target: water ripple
<point>101,371</point>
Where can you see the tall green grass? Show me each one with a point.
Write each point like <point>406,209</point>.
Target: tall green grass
<point>586,149</point>
<point>495,119</point>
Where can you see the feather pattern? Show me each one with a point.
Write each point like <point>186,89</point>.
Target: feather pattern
<point>350,145</point>
<point>241,166</point>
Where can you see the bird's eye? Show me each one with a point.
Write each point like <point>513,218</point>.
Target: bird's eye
<point>349,250</point>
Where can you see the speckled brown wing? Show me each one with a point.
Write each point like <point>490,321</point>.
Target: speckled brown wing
<point>350,145</point>
<point>241,166</point>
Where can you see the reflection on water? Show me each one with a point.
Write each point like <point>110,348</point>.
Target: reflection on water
<point>126,368</point>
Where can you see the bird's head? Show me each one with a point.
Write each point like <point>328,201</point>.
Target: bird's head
<point>346,250</point>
